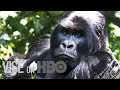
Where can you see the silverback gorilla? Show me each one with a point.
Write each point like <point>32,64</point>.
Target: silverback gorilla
<point>80,40</point>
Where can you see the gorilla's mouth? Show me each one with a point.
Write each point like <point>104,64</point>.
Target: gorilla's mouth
<point>65,56</point>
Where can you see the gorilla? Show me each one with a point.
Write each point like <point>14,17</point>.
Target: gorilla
<point>80,39</point>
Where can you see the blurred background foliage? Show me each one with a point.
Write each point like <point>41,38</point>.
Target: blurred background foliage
<point>20,29</point>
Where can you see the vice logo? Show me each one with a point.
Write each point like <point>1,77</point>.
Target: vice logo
<point>11,68</point>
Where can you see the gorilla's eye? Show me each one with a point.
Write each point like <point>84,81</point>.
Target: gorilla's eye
<point>98,33</point>
<point>64,31</point>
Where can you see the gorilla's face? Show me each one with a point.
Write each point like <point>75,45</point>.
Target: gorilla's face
<point>78,34</point>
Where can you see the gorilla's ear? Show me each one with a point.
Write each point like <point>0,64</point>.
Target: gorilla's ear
<point>98,32</point>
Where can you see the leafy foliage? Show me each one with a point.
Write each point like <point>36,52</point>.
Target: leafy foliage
<point>113,26</point>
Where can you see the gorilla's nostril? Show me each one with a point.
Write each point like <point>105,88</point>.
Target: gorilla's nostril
<point>70,46</point>
<point>64,45</point>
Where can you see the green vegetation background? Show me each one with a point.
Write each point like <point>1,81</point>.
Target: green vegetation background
<point>19,32</point>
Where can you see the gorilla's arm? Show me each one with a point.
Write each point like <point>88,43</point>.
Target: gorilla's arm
<point>37,51</point>
<point>38,57</point>
<point>38,47</point>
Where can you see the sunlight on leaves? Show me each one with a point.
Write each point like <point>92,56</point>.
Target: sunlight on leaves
<point>5,14</point>
<point>10,50</point>
<point>116,29</point>
<point>12,45</point>
<point>23,21</point>
<point>16,33</point>
<point>5,37</point>
<point>26,48</point>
